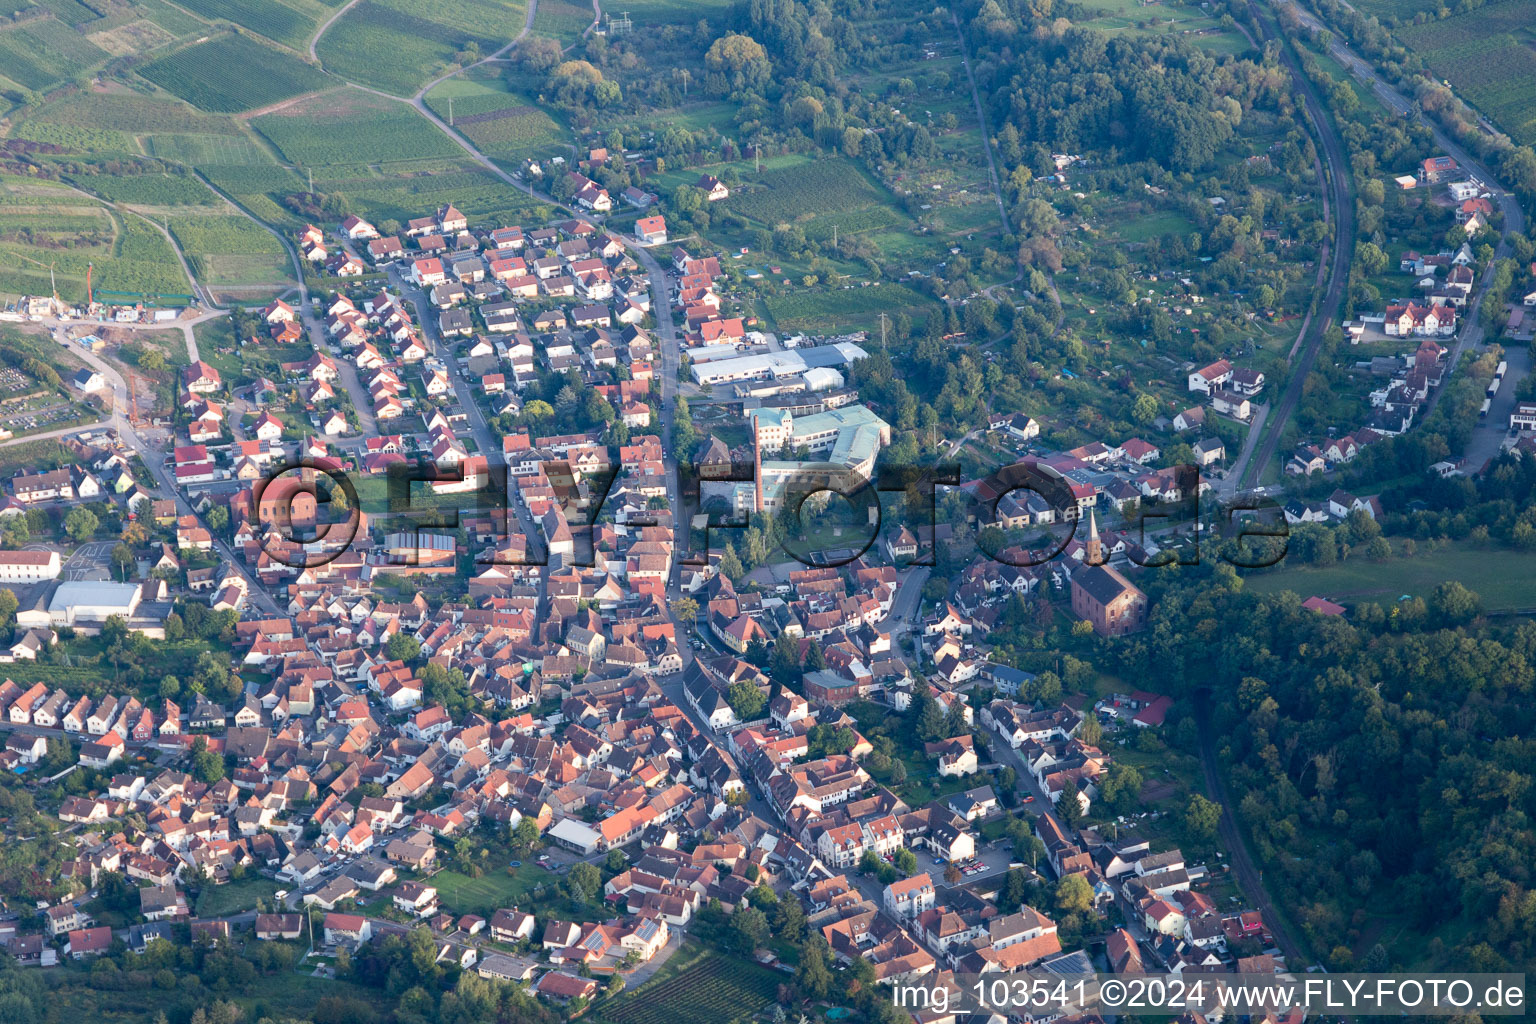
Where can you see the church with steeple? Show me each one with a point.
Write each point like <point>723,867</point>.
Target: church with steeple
<point>1101,596</point>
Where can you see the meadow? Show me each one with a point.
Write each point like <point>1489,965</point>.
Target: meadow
<point>1502,578</point>
<point>138,36</point>
<point>198,150</point>
<point>234,897</point>
<point>233,73</point>
<point>496,888</point>
<point>844,309</point>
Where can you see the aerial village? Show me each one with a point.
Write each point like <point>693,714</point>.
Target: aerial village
<point>554,677</point>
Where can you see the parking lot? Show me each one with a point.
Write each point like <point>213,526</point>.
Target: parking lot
<point>989,861</point>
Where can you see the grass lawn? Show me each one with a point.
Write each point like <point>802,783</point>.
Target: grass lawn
<point>1503,578</point>
<point>234,898</point>
<point>497,888</point>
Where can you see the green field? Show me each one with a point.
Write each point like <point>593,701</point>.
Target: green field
<point>279,21</point>
<point>1489,57</point>
<point>233,73</point>
<point>234,897</point>
<point>232,252</point>
<point>1503,578</point>
<point>199,150</point>
<point>698,986</point>
<point>351,127</point>
<point>497,888</point>
<point>44,52</point>
<point>68,230</point>
<point>821,311</point>
<point>807,190</point>
<point>500,123</point>
<point>170,17</point>
<point>420,38</point>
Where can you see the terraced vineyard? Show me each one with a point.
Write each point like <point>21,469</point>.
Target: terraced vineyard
<point>232,252</point>
<point>127,112</point>
<point>148,189</point>
<point>352,127</point>
<point>233,73</point>
<point>70,12</point>
<point>499,123</point>
<point>274,20</point>
<point>43,52</point>
<point>43,224</point>
<point>420,39</point>
<point>1489,57</point>
<point>75,138</point>
<point>562,19</point>
<point>718,988</point>
<point>821,187</point>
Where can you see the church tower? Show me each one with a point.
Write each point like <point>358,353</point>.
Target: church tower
<point>1094,549</point>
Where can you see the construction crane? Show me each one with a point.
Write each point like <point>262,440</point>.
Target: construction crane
<point>133,399</point>
<point>89,295</point>
<point>51,282</point>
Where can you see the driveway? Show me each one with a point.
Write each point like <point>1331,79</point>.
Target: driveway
<point>645,971</point>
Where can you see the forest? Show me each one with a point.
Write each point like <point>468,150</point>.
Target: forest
<point>1380,761</point>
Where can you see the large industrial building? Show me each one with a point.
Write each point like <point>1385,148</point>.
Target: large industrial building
<point>86,605</point>
<point>708,372</point>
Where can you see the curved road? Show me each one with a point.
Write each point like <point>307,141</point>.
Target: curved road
<point>1338,204</point>
<point>315,39</point>
<point>1514,217</point>
<point>1249,877</point>
<point>533,7</point>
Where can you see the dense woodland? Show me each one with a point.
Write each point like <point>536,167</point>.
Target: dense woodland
<point>1380,762</point>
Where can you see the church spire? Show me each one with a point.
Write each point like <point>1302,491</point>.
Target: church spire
<point>1094,553</point>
